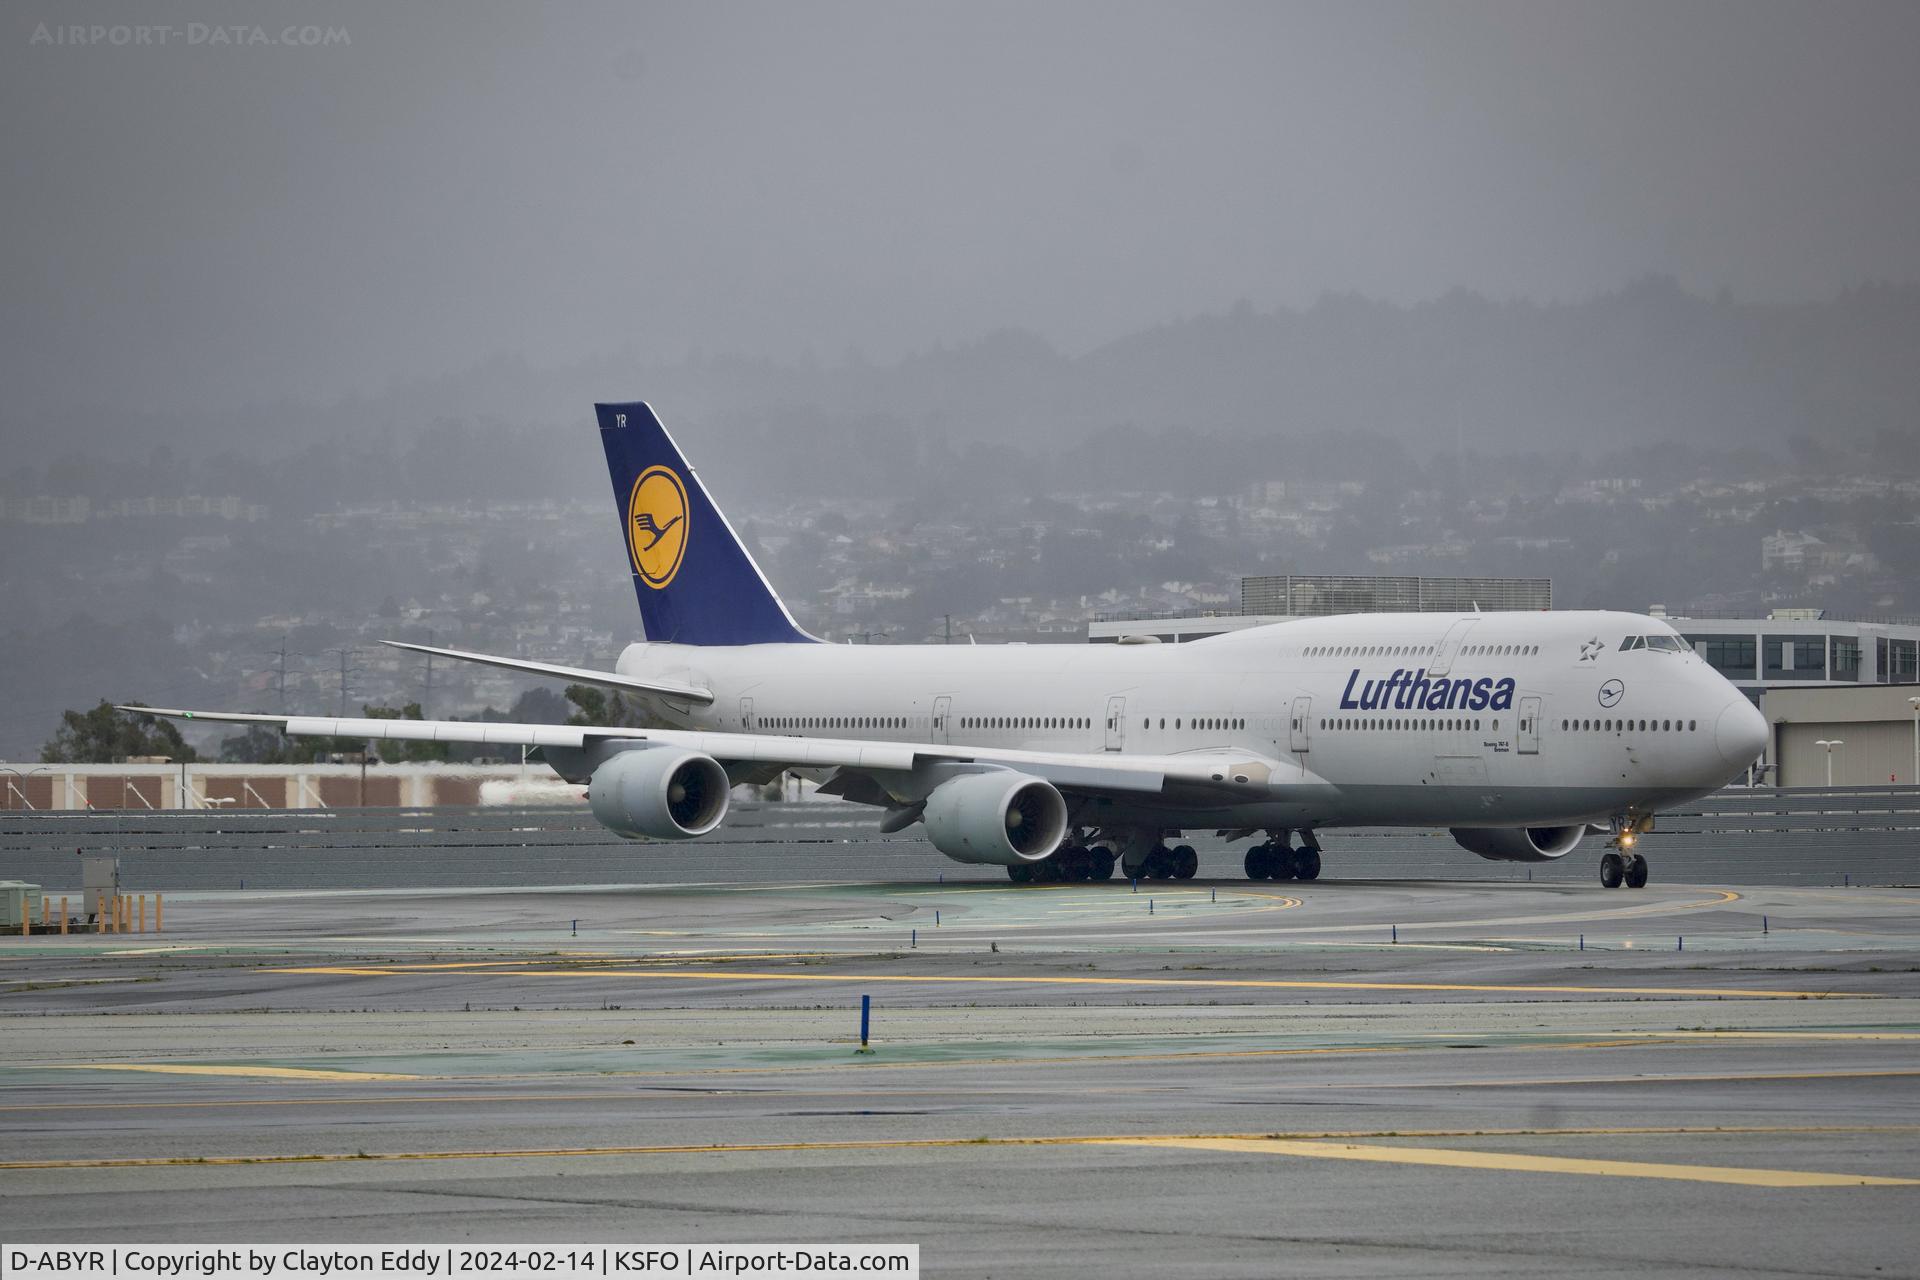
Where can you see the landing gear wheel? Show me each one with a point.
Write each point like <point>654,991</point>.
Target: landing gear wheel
<point>1637,872</point>
<point>1282,863</point>
<point>1102,862</point>
<point>1259,862</point>
<point>1186,863</point>
<point>1020,873</point>
<point>1075,864</point>
<point>1613,869</point>
<point>1306,863</point>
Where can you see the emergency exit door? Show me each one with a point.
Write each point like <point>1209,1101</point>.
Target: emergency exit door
<point>1302,722</point>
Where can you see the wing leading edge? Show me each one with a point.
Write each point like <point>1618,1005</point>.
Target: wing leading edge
<point>1243,774</point>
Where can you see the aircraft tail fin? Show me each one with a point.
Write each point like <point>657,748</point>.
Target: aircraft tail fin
<point>695,581</point>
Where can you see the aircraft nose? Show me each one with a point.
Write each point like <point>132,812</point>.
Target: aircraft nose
<point>1740,733</point>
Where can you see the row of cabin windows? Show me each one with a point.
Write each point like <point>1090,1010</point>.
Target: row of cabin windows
<point>1473,725</point>
<point>1445,725</point>
<point>1419,651</point>
<point>834,722</point>
<point>1025,722</point>
<point>1197,722</point>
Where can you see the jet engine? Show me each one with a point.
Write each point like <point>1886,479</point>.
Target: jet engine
<point>662,793</point>
<point>1519,844</point>
<point>999,817</point>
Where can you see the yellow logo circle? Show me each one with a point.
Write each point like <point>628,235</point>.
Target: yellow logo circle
<point>657,525</point>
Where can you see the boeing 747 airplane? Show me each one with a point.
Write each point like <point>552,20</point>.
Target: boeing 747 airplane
<point>1519,732</point>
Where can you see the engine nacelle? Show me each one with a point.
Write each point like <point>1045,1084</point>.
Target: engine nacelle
<point>663,793</point>
<point>999,817</point>
<point>1519,844</point>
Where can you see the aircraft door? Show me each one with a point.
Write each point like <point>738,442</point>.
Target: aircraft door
<point>1528,738</point>
<point>746,715</point>
<point>1116,724</point>
<point>942,717</point>
<point>1302,721</point>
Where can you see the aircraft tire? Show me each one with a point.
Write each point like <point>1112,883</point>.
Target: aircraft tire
<point>1186,863</point>
<point>1636,873</point>
<point>1020,872</point>
<point>1102,862</point>
<point>1613,870</point>
<point>1283,863</point>
<point>1306,863</point>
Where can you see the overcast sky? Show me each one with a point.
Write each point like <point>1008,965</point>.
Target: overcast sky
<point>201,225</point>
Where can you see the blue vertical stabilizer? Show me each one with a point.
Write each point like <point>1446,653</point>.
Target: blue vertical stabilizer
<point>695,582</point>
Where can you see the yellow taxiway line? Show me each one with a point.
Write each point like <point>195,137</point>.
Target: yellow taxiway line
<point>510,970</point>
<point>1324,1146</point>
<point>1514,1162</point>
<point>195,1069</point>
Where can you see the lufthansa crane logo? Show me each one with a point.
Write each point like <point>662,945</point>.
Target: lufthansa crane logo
<point>657,525</point>
<point>1610,692</point>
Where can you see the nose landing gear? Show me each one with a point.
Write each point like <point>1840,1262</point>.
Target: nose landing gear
<point>1620,864</point>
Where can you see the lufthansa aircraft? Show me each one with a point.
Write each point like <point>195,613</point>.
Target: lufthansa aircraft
<point>1518,731</point>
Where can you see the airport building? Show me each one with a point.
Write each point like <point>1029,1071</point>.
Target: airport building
<point>1867,735</point>
<point>1278,597</point>
<point>166,785</point>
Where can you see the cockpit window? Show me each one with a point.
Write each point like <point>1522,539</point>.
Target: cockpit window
<point>1665,644</point>
<point>1633,642</point>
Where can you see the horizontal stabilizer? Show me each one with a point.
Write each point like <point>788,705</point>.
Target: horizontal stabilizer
<point>582,675</point>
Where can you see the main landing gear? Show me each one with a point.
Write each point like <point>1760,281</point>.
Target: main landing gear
<point>1163,862</point>
<point>1069,864</point>
<point>1620,864</point>
<point>1277,860</point>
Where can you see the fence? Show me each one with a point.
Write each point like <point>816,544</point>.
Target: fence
<point>1771,834</point>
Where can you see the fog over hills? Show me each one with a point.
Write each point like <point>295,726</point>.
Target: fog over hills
<point>1646,365</point>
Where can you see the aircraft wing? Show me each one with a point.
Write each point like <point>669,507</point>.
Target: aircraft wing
<point>1224,773</point>
<point>582,675</point>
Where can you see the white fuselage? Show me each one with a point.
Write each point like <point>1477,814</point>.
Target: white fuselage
<point>1538,718</point>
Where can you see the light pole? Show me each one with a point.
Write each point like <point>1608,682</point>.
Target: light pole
<point>1915,704</point>
<point>14,790</point>
<point>1830,744</point>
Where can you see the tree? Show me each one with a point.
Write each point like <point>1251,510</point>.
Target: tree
<point>607,708</point>
<point>262,744</point>
<point>106,735</point>
<point>539,705</point>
